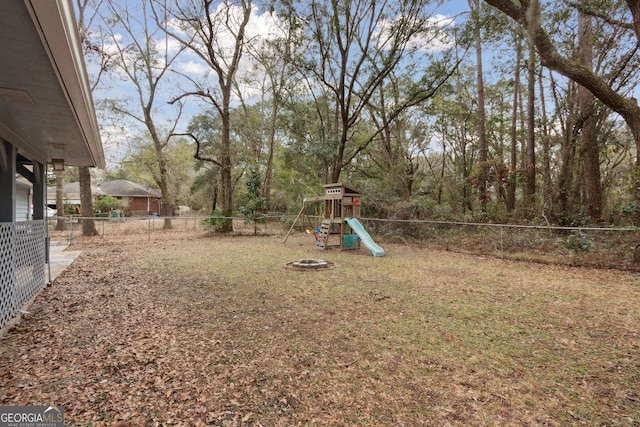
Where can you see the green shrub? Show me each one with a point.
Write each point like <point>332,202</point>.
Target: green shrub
<point>578,242</point>
<point>254,204</point>
<point>216,222</point>
<point>106,204</point>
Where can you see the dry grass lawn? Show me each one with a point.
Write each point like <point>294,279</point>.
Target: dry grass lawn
<point>188,330</point>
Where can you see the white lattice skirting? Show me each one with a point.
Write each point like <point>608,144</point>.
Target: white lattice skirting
<point>22,265</point>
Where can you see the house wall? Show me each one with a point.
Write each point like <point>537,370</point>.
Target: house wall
<point>144,206</point>
<point>22,240</point>
<point>23,205</point>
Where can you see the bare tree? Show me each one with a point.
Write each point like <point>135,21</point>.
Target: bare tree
<point>353,48</point>
<point>216,33</point>
<point>143,54</point>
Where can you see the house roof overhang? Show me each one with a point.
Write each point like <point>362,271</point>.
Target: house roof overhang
<point>46,108</point>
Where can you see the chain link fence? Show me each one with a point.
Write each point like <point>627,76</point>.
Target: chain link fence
<point>149,226</point>
<point>578,246</point>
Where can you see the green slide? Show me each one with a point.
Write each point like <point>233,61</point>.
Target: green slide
<point>364,236</point>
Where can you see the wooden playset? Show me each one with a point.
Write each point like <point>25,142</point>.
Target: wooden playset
<point>341,217</point>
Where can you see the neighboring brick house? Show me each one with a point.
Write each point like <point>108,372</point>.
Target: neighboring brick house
<point>71,196</point>
<point>135,198</point>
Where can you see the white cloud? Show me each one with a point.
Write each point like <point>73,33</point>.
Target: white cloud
<point>173,46</point>
<point>112,43</point>
<point>192,68</point>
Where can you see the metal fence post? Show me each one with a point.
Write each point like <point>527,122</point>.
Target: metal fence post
<point>70,229</point>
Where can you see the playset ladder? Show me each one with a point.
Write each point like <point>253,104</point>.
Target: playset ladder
<point>324,234</point>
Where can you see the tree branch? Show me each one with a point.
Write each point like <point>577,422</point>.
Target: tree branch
<point>199,144</point>
<point>551,59</point>
<point>587,9</point>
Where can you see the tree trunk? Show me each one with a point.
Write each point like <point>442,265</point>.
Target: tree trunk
<point>214,203</point>
<point>266,188</point>
<point>588,138</point>
<point>466,191</point>
<point>387,148</point>
<point>511,188</point>
<point>564,184</point>
<point>482,134</point>
<point>86,203</point>
<point>547,187</point>
<point>164,186</point>
<point>61,223</point>
<point>530,187</point>
<point>443,167</point>
<point>344,137</point>
<point>565,177</point>
<point>162,179</point>
<point>226,181</point>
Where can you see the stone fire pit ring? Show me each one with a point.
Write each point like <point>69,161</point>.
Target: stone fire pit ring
<point>310,264</point>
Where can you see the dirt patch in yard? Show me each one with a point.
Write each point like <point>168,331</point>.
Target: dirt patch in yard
<point>216,331</point>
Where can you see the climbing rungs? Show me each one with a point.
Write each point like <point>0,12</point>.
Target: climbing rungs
<point>324,234</point>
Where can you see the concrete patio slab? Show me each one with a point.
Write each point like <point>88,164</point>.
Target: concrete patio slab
<point>59,259</point>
